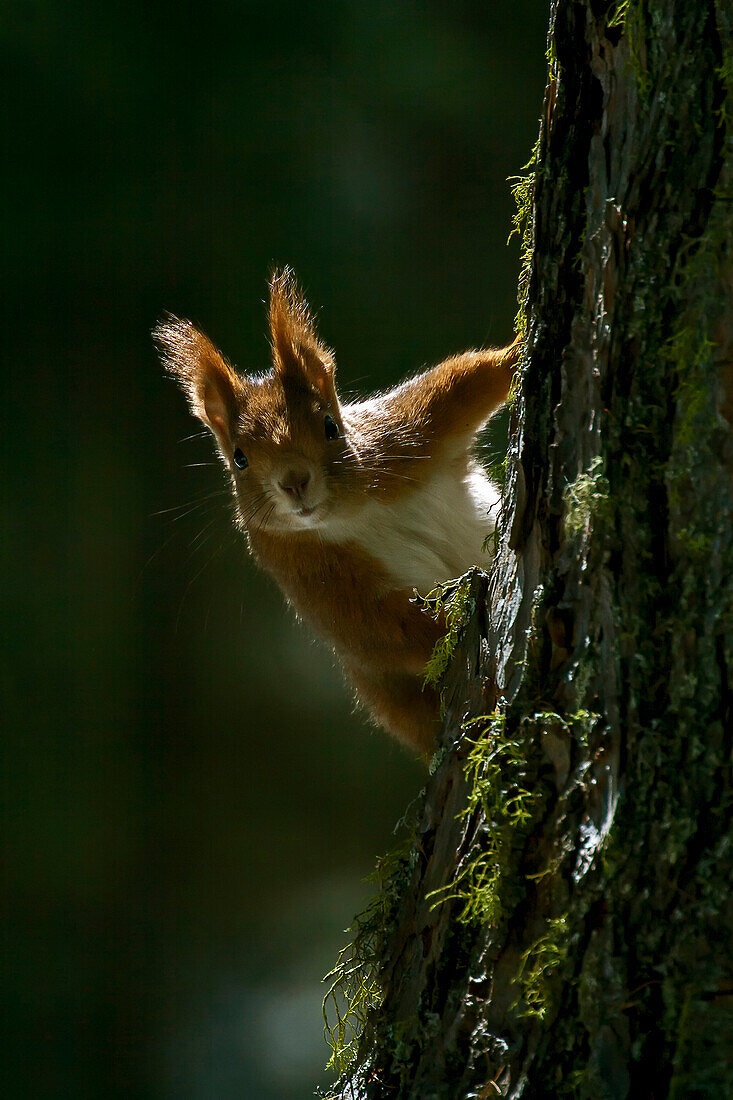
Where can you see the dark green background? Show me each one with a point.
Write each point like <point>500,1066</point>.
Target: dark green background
<point>190,805</point>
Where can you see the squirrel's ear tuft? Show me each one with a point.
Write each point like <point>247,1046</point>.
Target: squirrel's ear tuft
<point>296,349</point>
<point>212,386</point>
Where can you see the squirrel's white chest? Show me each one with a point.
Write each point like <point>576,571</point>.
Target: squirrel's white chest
<point>430,535</point>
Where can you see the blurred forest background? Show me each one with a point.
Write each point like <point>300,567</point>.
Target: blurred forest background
<point>190,805</point>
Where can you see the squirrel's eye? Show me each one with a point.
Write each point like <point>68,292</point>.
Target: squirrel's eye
<point>240,460</point>
<point>332,428</point>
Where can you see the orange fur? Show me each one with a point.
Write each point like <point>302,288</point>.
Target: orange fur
<point>316,468</point>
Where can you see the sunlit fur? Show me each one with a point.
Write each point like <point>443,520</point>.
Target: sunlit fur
<point>350,527</point>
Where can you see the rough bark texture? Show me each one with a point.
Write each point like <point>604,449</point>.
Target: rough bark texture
<point>577,824</point>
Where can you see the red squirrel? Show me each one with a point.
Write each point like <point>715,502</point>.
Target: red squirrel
<point>352,507</point>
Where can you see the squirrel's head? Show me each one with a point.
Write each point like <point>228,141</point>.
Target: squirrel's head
<point>280,434</point>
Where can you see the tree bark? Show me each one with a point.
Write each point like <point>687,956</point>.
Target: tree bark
<point>563,923</point>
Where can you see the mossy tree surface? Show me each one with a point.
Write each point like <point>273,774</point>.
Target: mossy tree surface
<point>564,923</point>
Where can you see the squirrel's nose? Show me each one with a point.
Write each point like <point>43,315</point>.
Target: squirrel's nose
<point>295,483</point>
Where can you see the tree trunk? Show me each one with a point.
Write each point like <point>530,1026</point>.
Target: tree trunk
<point>563,922</point>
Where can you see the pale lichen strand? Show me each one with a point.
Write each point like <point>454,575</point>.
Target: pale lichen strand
<point>587,498</point>
<point>354,992</point>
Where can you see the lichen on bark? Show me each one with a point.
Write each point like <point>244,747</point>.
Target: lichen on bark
<point>563,926</point>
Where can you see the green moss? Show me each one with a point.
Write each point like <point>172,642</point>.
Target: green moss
<point>581,724</point>
<point>619,14</point>
<point>551,57</point>
<point>503,805</point>
<point>540,967</point>
<point>635,27</point>
<point>629,16</point>
<point>451,600</point>
<point>522,188</point>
